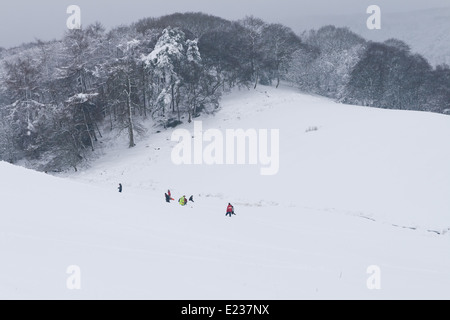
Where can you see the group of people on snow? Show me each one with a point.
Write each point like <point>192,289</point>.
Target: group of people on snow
<point>183,201</point>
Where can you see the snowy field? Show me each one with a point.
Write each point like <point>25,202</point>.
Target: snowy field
<point>356,187</point>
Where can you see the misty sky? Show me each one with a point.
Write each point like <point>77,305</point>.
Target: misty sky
<point>24,21</point>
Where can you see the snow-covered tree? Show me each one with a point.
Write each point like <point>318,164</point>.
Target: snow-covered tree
<point>253,38</point>
<point>124,74</point>
<point>389,76</point>
<point>280,45</point>
<point>166,61</point>
<point>339,50</point>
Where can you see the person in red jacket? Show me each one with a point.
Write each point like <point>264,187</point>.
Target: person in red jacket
<point>230,210</point>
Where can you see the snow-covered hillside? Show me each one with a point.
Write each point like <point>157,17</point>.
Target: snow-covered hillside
<point>356,187</point>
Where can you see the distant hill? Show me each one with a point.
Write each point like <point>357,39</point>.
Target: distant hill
<point>426,31</point>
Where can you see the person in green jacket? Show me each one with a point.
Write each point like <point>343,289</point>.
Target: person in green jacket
<point>183,201</point>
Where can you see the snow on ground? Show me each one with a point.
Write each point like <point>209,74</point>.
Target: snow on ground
<point>384,164</point>
<point>348,196</point>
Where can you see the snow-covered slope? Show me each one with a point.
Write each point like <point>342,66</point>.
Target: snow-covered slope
<point>386,164</point>
<point>368,187</point>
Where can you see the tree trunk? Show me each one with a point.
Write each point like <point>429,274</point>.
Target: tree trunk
<point>88,129</point>
<point>98,129</point>
<point>173,98</point>
<point>93,123</point>
<point>144,86</point>
<point>130,115</point>
<point>193,110</point>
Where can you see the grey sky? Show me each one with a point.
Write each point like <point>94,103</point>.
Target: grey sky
<point>24,21</point>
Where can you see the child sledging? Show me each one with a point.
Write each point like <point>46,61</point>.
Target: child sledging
<point>230,210</point>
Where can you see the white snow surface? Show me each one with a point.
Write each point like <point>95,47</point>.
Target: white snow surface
<point>364,187</point>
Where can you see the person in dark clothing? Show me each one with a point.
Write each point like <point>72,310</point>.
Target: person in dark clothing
<point>120,188</point>
<point>169,196</point>
<point>191,199</point>
<point>230,210</point>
